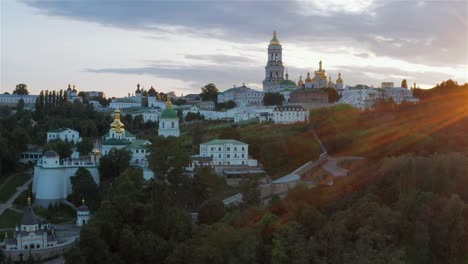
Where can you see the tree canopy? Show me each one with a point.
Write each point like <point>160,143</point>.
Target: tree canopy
<point>209,92</point>
<point>21,89</point>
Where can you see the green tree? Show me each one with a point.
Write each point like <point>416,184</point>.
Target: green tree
<point>273,99</point>
<point>20,105</point>
<point>21,89</point>
<point>85,146</point>
<point>209,92</point>
<point>84,187</point>
<point>168,159</point>
<point>64,149</point>
<point>114,163</point>
<point>211,211</point>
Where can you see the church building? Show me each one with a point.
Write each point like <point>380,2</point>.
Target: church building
<point>169,121</point>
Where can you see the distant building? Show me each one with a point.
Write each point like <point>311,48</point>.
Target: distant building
<point>64,134</point>
<point>227,152</point>
<point>242,96</point>
<point>363,96</point>
<point>94,94</point>
<point>31,155</point>
<point>387,85</point>
<point>13,99</point>
<point>287,114</point>
<point>206,105</point>
<point>309,98</point>
<point>169,121</point>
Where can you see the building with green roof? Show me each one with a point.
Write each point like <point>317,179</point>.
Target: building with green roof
<point>169,121</point>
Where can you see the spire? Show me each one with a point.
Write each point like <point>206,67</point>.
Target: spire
<point>274,40</point>
<point>339,80</point>
<point>29,201</point>
<point>308,79</point>
<point>287,75</point>
<point>168,103</point>
<point>82,201</point>
<point>320,65</point>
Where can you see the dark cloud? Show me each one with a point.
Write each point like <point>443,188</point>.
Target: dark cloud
<point>434,32</point>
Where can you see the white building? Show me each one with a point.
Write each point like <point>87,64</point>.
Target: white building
<point>169,121</point>
<point>153,102</point>
<point>146,114</point>
<point>64,134</point>
<point>245,114</point>
<point>242,96</point>
<point>51,180</point>
<point>126,102</point>
<point>30,235</point>
<point>363,96</point>
<point>13,99</point>
<point>227,152</point>
<point>287,114</point>
<point>82,214</point>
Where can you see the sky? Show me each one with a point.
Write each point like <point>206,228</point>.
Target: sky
<point>111,45</point>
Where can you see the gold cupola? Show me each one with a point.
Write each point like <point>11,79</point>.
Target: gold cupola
<point>274,40</point>
<point>117,125</point>
<point>308,79</point>
<point>320,73</point>
<point>339,80</point>
<point>330,83</point>
<point>300,82</point>
<point>168,103</point>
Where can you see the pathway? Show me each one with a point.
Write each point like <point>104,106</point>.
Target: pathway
<point>331,166</point>
<point>19,190</point>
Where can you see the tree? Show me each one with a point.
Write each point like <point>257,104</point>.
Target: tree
<point>404,84</point>
<point>114,163</point>
<point>64,149</point>
<point>230,104</point>
<point>85,146</point>
<point>209,92</point>
<point>168,159</point>
<point>20,105</point>
<point>332,94</point>
<point>21,89</point>
<point>84,187</point>
<point>211,211</point>
<point>273,99</point>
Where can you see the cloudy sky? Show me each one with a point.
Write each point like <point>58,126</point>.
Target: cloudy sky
<point>179,46</point>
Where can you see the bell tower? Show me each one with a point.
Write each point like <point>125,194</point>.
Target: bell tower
<point>274,70</point>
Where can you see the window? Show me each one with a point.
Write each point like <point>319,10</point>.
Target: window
<point>219,149</point>
<point>228,156</point>
<point>228,149</point>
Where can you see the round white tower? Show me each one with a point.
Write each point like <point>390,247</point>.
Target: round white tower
<point>50,159</point>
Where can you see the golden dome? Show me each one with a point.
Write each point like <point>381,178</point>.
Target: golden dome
<point>330,83</point>
<point>274,40</point>
<point>168,103</point>
<point>339,80</point>
<point>117,125</point>
<point>300,82</point>
<point>308,79</point>
<point>320,73</point>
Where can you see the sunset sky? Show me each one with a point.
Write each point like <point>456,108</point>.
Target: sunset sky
<point>182,45</point>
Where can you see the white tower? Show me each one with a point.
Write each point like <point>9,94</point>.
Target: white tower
<point>169,121</point>
<point>82,214</point>
<point>274,70</point>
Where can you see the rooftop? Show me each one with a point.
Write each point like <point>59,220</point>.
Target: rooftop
<point>223,141</point>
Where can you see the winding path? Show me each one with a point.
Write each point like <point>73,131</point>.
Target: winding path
<point>19,190</point>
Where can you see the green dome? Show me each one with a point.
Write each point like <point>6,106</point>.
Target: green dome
<point>169,113</point>
<point>288,83</point>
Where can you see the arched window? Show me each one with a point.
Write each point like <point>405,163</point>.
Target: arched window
<point>163,124</point>
<point>172,124</point>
